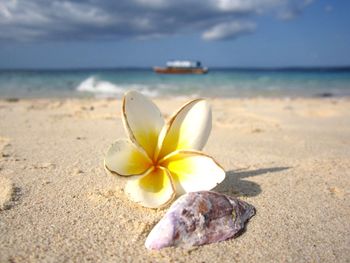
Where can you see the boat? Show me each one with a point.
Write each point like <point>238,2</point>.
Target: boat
<point>182,67</point>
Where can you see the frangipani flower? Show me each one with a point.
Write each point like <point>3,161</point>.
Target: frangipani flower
<point>162,160</point>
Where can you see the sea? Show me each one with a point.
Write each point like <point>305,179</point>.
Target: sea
<point>219,82</point>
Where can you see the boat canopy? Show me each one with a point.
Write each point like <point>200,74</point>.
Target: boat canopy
<point>183,64</point>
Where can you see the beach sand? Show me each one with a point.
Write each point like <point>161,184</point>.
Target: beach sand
<point>288,158</point>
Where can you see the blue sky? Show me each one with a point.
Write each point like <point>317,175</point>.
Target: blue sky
<point>222,33</point>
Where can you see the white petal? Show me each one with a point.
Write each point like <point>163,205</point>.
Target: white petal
<point>193,171</point>
<point>188,129</point>
<point>124,158</point>
<point>142,120</point>
<point>154,189</point>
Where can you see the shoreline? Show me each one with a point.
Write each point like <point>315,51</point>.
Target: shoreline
<point>219,83</point>
<point>321,96</point>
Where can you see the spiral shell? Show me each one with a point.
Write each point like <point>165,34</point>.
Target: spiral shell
<point>200,218</point>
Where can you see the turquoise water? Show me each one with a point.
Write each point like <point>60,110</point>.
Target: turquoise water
<point>217,83</point>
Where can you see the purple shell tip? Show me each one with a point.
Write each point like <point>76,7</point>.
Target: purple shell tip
<point>200,218</point>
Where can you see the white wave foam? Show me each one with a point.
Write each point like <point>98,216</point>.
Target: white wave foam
<point>93,85</point>
<point>105,88</point>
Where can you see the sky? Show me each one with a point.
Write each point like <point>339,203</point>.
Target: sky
<point>144,33</point>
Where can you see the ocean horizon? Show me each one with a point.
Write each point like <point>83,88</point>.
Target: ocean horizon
<point>219,82</point>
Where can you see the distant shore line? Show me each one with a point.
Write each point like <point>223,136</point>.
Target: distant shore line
<point>320,69</point>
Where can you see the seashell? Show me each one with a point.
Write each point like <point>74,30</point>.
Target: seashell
<point>200,218</point>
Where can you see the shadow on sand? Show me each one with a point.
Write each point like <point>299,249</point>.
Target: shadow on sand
<point>234,183</point>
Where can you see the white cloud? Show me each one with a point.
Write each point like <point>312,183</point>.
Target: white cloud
<point>38,20</point>
<point>293,9</point>
<point>245,5</point>
<point>153,3</point>
<point>328,8</point>
<point>228,30</point>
